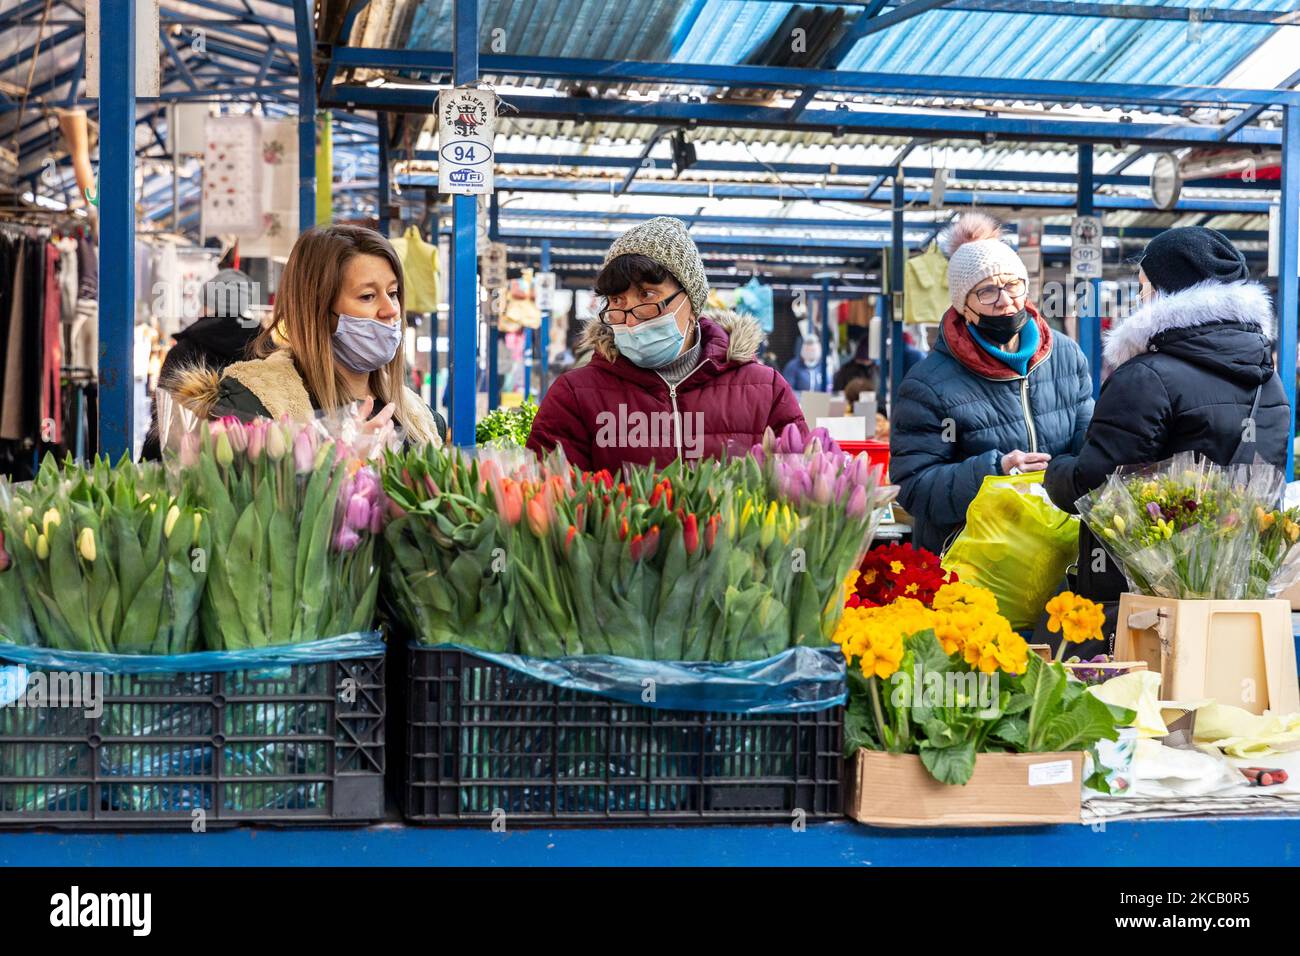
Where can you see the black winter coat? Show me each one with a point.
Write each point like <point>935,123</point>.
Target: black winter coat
<point>1187,369</point>
<point>210,341</point>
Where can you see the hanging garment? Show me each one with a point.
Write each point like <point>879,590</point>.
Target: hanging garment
<point>232,175</point>
<point>521,311</point>
<point>83,336</point>
<point>420,266</point>
<point>51,349</point>
<point>755,299</point>
<point>279,205</point>
<point>925,286</point>
<point>12,397</point>
<point>67,278</point>
<point>87,269</point>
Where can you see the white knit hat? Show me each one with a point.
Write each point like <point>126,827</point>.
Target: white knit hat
<point>976,251</point>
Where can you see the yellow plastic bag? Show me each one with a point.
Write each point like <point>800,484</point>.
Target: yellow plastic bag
<point>1017,544</point>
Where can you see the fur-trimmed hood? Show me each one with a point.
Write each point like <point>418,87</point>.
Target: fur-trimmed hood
<point>743,336</point>
<point>1234,305</point>
<point>275,384</point>
<point>274,380</point>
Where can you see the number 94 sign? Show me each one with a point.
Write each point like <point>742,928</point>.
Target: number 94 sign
<point>466,129</point>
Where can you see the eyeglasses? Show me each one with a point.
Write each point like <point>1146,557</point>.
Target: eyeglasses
<point>642,313</point>
<point>989,294</point>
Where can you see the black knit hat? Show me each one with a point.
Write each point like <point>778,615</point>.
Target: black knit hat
<point>1180,258</point>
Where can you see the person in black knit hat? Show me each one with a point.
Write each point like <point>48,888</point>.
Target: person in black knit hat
<point>1192,366</point>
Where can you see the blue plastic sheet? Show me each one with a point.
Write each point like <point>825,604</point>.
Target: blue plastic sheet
<point>800,680</point>
<point>343,647</point>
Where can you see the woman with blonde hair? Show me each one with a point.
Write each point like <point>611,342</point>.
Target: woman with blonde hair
<point>335,338</point>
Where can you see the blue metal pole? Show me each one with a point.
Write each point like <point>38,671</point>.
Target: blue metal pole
<point>1288,285</point>
<point>897,260</point>
<point>826,328</point>
<point>381,127</point>
<point>464,238</point>
<point>493,333</point>
<point>116,187</point>
<point>305,29</point>
<point>546,326</point>
<point>1088,294</point>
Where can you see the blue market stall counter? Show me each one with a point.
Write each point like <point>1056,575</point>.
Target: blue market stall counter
<point>1241,841</point>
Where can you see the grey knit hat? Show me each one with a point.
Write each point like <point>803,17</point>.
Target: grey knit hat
<point>666,241</point>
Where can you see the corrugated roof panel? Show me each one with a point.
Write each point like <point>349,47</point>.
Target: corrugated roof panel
<point>1085,49</point>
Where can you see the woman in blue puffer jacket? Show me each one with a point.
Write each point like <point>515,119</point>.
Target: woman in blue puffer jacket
<point>999,391</point>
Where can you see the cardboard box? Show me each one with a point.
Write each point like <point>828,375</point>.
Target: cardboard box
<point>895,790</point>
<point>1240,653</point>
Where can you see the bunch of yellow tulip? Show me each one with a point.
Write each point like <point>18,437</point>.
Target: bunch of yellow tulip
<point>101,559</point>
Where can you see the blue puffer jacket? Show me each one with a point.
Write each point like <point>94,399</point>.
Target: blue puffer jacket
<point>960,410</point>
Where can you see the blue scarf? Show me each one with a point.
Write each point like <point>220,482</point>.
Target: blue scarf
<point>1017,361</point>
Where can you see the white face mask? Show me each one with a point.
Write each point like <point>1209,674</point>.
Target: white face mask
<point>364,345</point>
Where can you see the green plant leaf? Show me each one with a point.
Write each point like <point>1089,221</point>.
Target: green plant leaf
<point>951,765</point>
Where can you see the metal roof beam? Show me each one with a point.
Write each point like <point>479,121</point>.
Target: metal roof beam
<point>790,193</point>
<point>240,13</point>
<point>1079,8</point>
<point>181,66</point>
<point>1246,116</point>
<point>798,78</point>
<point>833,169</point>
<point>945,125</point>
<point>901,13</point>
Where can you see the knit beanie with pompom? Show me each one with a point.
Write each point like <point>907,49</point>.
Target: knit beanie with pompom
<point>976,251</point>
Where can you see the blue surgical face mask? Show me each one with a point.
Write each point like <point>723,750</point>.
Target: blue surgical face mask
<point>364,345</point>
<point>651,344</point>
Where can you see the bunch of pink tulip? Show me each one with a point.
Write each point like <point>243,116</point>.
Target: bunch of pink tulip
<point>295,516</point>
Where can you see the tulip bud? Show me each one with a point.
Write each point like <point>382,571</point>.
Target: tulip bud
<point>711,531</point>
<point>791,439</point>
<point>236,434</point>
<point>358,513</point>
<point>568,539</point>
<point>198,523</point>
<point>224,454</point>
<point>691,533</point>
<point>276,443</point>
<point>5,560</point>
<point>29,537</point>
<point>86,544</point>
<point>256,439</point>
<point>539,519</point>
<point>42,547</point>
<point>346,540</point>
<point>857,503</point>
<point>304,455</point>
<point>170,521</point>
<point>50,517</point>
<point>823,490</point>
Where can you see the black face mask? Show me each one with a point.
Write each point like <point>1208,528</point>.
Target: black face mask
<point>1001,329</point>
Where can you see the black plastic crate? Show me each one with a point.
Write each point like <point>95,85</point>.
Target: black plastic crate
<point>484,740</point>
<point>301,743</point>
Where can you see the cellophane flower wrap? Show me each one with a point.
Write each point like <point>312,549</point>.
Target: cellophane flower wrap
<point>295,509</point>
<point>103,559</point>
<point>707,561</point>
<point>954,680</point>
<point>1189,528</point>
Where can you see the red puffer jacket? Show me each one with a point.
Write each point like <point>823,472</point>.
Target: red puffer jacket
<point>611,411</point>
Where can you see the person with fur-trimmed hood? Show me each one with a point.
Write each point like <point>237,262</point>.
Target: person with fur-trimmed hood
<point>1000,391</point>
<point>1193,372</point>
<point>666,379</point>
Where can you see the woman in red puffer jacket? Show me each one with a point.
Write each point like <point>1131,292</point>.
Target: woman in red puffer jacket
<point>665,380</point>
